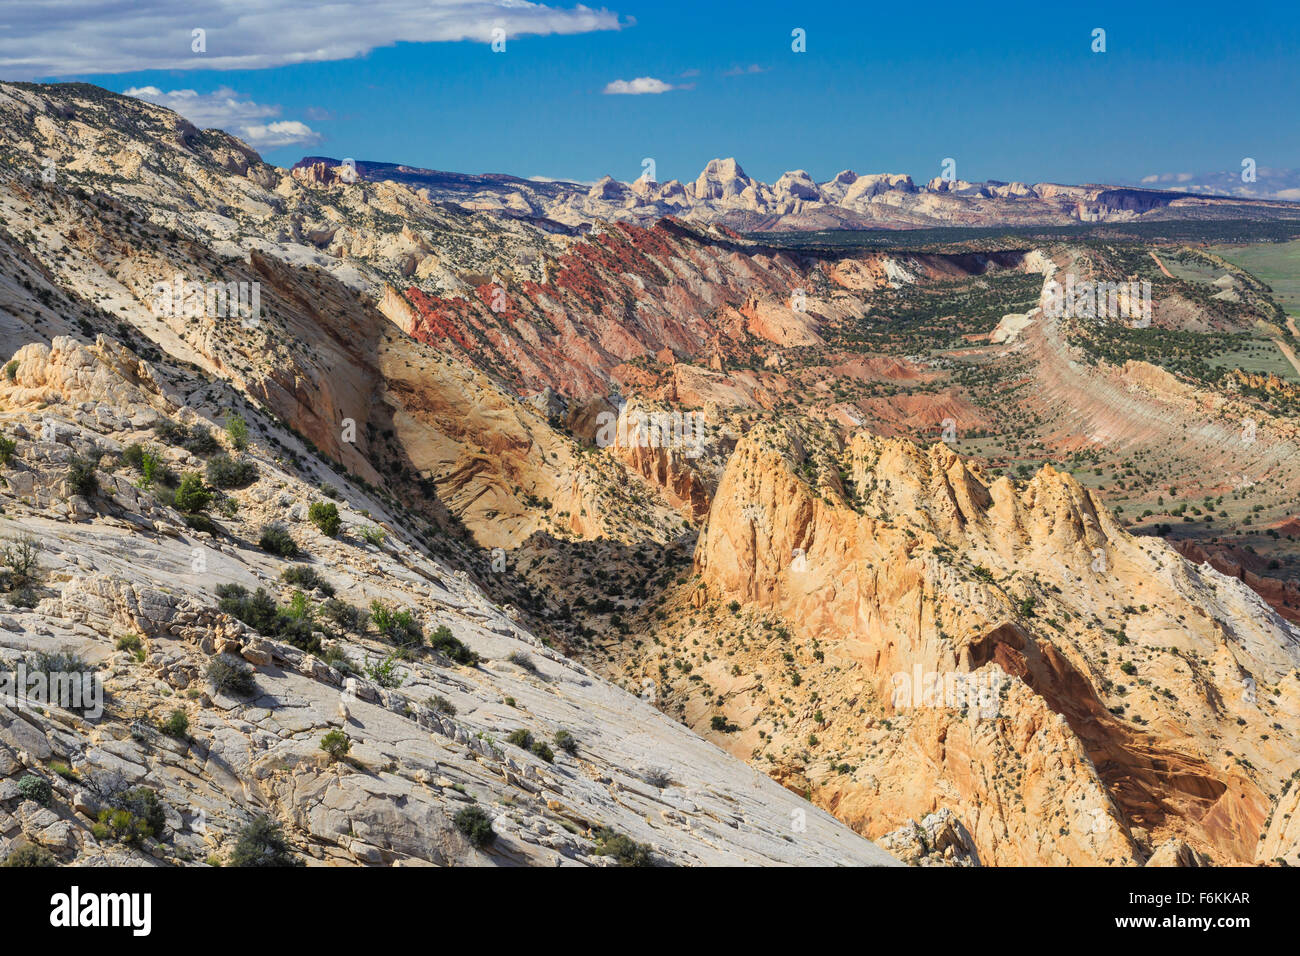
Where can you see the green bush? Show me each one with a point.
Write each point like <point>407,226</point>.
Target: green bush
<point>307,578</point>
<point>229,676</point>
<point>143,804</point>
<point>373,534</point>
<point>131,816</point>
<point>276,539</point>
<point>258,610</point>
<point>623,848</point>
<point>192,495</point>
<point>540,749</point>
<point>262,843</point>
<point>29,854</point>
<point>521,739</point>
<point>20,558</point>
<point>476,825</point>
<point>83,478</point>
<point>226,472</point>
<point>237,432</point>
<point>32,787</point>
<point>445,644</point>
<point>201,441</point>
<point>400,627</point>
<point>325,516</point>
<point>7,448</point>
<point>344,615</point>
<point>384,672</point>
<point>177,725</point>
<point>336,744</point>
<point>566,741</point>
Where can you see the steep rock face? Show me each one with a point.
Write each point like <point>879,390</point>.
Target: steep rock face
<point>936,570</point>
<point>124,583</point>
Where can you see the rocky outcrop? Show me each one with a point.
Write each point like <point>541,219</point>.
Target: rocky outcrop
<point>919,569</point>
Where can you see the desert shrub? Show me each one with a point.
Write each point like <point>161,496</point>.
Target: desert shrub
<point>623,848</point>
<point>83,478</point>
<point>445,644</point>
<point>384,672</point>
<point>262,843</point>
<point>150,465</point>
<point>722,725</point>
<point>336,744</point>
<point>307,578</point>
<point>170,432</point>
<point>344,615</point>
<point>325,516</point>
<point>226,472</point>
<point>228,676</point>
<point>257,610</point>
<point>336,657</point>
<point>373,534</point>
<point>20,561</point>
<point>68,676</point>
<point>7,448</point>
<point>442,705</point>
<point>143,804</point>
<point>237,432</point>
<point>11,369</point>
<point>29,854</point>
<point>276,539</point>
<point>520,738</point>
<point>191,494</point>
<point>540,749</point>
<point>520,659</point>
<point>399,626</point>
<point>176,725</point>
<point>32,787</point>
<point>566,741</point>
<point>292,624</point>
<point>133,815</point>
<point>476,825</point>
<point>201,441</point>
<point>133,643</point>
<point>201,522</point>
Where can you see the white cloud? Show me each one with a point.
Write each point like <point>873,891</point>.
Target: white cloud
<point>47,38</point>
<point>1269,183</point>
<point>223,109</point>
<point>641,85</point>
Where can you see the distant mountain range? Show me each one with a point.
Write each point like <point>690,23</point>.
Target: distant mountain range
<point>724,194</point>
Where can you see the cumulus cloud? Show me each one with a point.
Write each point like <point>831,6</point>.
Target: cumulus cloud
<point>1269,183</point>
<point>254,123</point>
<point>641,85</point>
<point>48,38</point>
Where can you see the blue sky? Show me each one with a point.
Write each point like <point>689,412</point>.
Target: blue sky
<point>1010,92</point>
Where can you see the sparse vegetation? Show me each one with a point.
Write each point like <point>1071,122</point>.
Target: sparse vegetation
<point>477,827</point>
<point>262,843</point>
<point>228,676</point>
<point>325,516</point>
<point>275,539</point>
